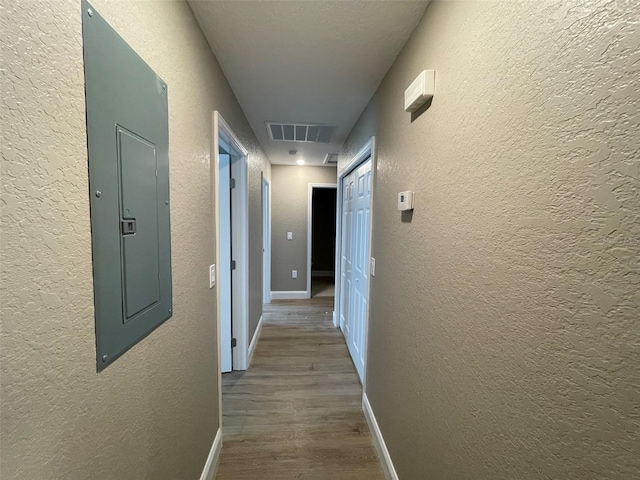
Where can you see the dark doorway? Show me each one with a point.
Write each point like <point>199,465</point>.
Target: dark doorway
<point>323,241</point>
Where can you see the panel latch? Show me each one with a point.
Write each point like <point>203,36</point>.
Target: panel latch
<point>128,227</point>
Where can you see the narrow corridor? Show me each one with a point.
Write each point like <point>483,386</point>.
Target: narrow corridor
<point>296,413</point>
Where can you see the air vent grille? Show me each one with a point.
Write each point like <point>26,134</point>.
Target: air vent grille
<point>300,132</point>
<point>331,159</point>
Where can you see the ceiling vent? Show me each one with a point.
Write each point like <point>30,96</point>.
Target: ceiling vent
<point>290,132</point>
<point>331,159</point>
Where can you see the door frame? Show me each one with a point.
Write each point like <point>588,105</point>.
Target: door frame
<point>223,267</point>
<point>368,151</point>
<point>266,240</point>
<point>240,224</point>
<point>309,225</point>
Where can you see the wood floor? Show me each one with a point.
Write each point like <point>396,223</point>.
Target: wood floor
<point>296,413</point>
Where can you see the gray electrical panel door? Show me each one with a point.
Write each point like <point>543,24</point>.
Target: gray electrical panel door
<point>128,143</point>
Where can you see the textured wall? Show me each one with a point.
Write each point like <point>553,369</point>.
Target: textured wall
<point>154,412</point>
<point>504,332</point>
<point>289,204</point>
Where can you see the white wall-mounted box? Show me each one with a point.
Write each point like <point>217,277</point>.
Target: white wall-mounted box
<point>420,90</point>
<point>405,200</point>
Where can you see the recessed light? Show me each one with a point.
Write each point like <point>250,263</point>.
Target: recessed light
<point>300,162</point>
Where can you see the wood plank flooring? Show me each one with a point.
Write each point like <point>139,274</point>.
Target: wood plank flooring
<point>296,413</point>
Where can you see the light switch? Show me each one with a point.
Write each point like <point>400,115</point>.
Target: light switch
<point>373,267</point>
<point>212,276</point>
<point>289,235</point>
<point>294,273</point>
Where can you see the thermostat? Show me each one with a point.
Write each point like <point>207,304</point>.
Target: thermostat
<point>405,200</point>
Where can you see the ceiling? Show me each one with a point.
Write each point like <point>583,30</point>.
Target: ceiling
<point>305,61</point>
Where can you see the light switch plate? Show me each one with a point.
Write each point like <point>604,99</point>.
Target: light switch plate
<point>294,273</point>
<point>373,267</point>
<point>289,235</point>
<point>212,275</point>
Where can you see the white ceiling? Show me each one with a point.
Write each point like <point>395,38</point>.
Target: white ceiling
<point>305,61</point>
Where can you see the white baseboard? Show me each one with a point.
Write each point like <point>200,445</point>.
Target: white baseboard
<point>254,341</point>
<point>378,441</point>
<point>334,319</point>
<point>294,295</point>
<point>323,273</point>
<point>212,460</point>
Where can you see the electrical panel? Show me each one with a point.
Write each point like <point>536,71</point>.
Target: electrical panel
<point>128,149</point>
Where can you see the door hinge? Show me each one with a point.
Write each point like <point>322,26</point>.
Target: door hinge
<point>232,183</point>
<point>233,264</point>
<point>233,342</point>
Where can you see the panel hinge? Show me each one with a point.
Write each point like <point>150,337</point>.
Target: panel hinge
<point>232,183</point>
<point>233,264</point>
<point>233,342</point>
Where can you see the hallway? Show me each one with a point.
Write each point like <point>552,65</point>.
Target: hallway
<point>159,166</point>
<point>296,413</point>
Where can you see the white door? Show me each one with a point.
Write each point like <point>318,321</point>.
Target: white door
<point>345,274</point>
<point>355,261</point>
<point>224,271</point>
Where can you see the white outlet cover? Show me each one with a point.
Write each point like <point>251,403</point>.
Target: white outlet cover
<point>294,273</point>
<point>289,235</point>
<point>212,276</point>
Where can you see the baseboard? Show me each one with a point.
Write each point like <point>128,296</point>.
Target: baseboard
<point>294,295</point>
<point>323,273</point>
<point>334,319</point>
<point>212,460</point>
<point>254,341</point>
<point>378,441</point>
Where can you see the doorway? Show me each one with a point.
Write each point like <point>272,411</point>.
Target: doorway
<point>321,239</point>
<point>266,240</point>
<point>231,230</point>
<point>354,252</point>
